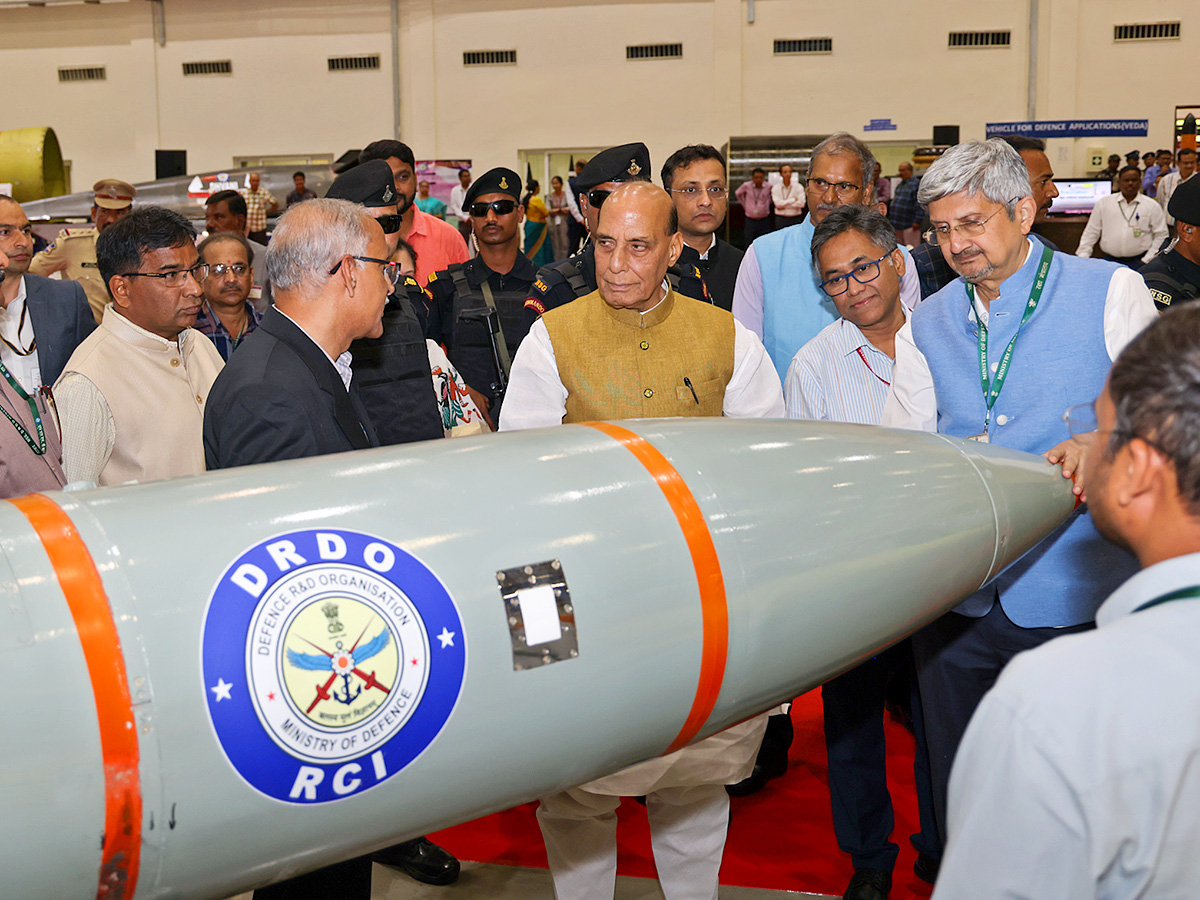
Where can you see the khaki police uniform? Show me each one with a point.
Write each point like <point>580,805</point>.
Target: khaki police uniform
<point>74,254</point>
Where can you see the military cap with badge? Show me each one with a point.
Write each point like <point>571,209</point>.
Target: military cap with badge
<point>1174,276</point>
<point>626,162</point>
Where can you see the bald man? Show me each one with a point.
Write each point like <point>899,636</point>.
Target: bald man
<point>631,349</point>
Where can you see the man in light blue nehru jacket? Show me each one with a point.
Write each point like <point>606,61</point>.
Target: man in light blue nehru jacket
<point>998,355</point>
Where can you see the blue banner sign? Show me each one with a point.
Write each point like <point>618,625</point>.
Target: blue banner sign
<point>1070,128</point>
<point>880,125</point>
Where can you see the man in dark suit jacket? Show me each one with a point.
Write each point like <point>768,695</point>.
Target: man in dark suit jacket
<point>50,316</point>
<point>287,392</point>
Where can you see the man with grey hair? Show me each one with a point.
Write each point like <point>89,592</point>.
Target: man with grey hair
<point>1043,328</point>
<point>287,392</point>
<point>842,375</point>
<point>776,295</point>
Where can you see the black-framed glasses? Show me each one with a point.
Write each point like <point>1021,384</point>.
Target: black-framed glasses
<point>390,223</point>
<point>391,270</point>
<point>596,197</point>
<point>843,189</point>
<point>863,273</point>
<point>940,234</point>
<point>219,270</point>
<point>479,209</point>
<point>714,191</point>
<point>175,278</point>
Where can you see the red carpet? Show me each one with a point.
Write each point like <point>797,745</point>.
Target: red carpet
<point>780,838</point>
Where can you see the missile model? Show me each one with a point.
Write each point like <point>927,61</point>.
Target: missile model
<point>216,682</point>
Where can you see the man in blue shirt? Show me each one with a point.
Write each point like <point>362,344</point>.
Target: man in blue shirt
<point>843,375</point>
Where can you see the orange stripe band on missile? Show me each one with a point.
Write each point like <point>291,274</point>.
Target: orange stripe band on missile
<point>713,608</point>
<point>81,585</point>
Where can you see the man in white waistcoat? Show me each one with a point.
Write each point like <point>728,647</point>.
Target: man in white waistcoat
<point>132,395</point>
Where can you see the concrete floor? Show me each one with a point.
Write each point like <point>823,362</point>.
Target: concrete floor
<point>481,881</point>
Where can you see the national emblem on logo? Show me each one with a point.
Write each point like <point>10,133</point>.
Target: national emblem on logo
<point>331,660</point>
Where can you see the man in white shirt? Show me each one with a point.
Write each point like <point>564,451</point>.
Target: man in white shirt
<point>842,375</point>
<point>630,349</point>
<point>1172,180</point>
<point>455,210</point>
<point>787,196</point>
<point>1079,775</point>
<point>1072,318</point>
<point>1129,226</point>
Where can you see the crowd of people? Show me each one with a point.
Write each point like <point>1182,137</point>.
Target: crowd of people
<point>364,319</point>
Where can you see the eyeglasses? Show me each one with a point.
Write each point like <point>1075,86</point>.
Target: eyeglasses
<point>175,278</point>
<point>940,234</point>
<point>596,197</point>
<point>843,189</point>
<point>500,207</point>
<point>390,223</point>
<point>715,192</point>
<point>863,273</point>
<point>218,270</point>
<point>1081,421</point>
<point>391,270</point>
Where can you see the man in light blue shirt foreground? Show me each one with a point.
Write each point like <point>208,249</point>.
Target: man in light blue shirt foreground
<point>1079,775</point>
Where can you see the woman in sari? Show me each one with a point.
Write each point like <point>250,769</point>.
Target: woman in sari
<point>537,233</point>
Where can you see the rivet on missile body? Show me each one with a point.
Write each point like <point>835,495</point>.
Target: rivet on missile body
<point>556,565</point>
<point>528,570</point>
<point>512,620</point>
<point>521,638</point>
<point>500,577</point>
<point>574,653</point>
<point>567,607</point>
<point>512,601</point>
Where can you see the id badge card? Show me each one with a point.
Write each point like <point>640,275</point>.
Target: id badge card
<point>982,437</point>
<point>1137,232</point>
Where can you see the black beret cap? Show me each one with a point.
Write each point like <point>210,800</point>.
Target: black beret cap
<point>370,184</point>
<point>494,181</point>
<point>1184,204</point>
<point>622,163</point>
<point>1133,154</point>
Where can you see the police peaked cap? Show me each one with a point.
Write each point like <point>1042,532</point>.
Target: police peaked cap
<point>1184,204</point>
<point>494,181</point>
<point>623,163</point>
<point>370,184</point>
<point>111,193</point>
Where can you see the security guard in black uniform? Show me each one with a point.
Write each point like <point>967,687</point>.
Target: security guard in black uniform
<point>562,282</point>
<point>475,308</point>
<point>392,372</point>
<point>1174,277</point>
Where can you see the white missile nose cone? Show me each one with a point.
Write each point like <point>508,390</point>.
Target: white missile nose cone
<point>1029,495</point>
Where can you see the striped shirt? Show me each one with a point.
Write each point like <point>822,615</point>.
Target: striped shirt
<point>838,376</point>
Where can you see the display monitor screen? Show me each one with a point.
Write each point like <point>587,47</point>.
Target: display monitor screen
<point>1077,196</point>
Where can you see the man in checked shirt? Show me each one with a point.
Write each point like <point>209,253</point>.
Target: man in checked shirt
<point>843,375</point>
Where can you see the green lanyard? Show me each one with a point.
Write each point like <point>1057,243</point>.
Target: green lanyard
<point>1182,594</point>
<point>40,447</point>
<point>992,387</point>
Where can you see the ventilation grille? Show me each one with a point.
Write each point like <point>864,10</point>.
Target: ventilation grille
<point>1153,31</point>
<point>806,45</point>
<point>980,38</point>
<point>83,73</point>
<point>655,51</point>
<point>211,67</point>
<point>353,63</point>
<point>489,57</point>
